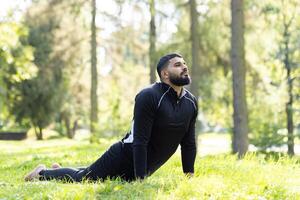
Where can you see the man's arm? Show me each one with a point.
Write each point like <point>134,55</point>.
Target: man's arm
<point>144,113</point>
<point>188,148</point>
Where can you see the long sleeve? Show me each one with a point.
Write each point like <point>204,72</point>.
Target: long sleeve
<point>144,113</point>
<point>188,147</point>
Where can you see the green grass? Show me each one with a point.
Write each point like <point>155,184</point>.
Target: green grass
<point>217,176</point>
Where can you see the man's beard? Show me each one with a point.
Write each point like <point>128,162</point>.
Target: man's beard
<point>179,80</point>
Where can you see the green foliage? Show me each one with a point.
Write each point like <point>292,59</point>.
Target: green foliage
<point>217,177</point>
<point>43,98</point>
<point>16,61</point>
<point>266,135</point>
<point>38,99</point>
<point>266,107</point>
<point>117,108</point>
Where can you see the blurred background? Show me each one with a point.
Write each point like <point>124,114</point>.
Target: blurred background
<point>74,66</point>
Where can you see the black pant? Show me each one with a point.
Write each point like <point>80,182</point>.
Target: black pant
<point>115,162</point>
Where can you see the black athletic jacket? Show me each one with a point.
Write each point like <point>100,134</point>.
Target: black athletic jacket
<point>161,122</point>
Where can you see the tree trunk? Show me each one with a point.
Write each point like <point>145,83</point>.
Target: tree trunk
<point>152,51</point>
<point>94,98</point>
<point>70,131</point>
<point>240,113</point>
<point>195,68</point>
<point>289,114</point>
<point>289,104</point>
<point>38,133</point>
<point>68,128</point>
<point>73,131</point>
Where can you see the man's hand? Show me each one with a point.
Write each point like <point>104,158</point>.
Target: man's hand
<point>189,174</point>
<point>140,179</point>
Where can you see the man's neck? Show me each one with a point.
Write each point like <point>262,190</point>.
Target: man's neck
<point>178,89</point>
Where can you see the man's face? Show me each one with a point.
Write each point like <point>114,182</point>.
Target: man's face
<point>178,72</point>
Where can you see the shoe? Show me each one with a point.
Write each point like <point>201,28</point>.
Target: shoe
<point>55,166</point>
<point>34,174</point>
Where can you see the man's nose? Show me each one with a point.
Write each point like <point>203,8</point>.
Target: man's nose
<point>185,67</point>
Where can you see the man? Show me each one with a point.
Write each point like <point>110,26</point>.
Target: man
<point>164,117</point>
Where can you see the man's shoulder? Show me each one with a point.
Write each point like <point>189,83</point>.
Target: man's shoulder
<point>152,90</point>
<point>189,95</point>
<point>148,96</point>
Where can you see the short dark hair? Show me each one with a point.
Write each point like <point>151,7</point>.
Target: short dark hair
<point>163,61</point>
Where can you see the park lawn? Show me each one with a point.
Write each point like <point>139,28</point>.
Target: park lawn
<point>217,177</point>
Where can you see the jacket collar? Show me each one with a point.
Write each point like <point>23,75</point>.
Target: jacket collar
<point>172,91</point>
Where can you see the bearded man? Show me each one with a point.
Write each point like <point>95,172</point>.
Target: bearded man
<point>164,117</point>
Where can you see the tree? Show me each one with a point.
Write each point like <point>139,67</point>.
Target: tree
<point>72,50</point>
<point>195,50</point>
<point>280,18</point>
<point>94,75</point>
<point>16,61</point>
<point>287,55</point>
<point>288,67</point>
<point>43,97</point>
<point>240,118</point>
<point>152,39</point>
<point>37,103</point>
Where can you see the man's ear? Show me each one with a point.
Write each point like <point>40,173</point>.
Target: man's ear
<point>165,74</point>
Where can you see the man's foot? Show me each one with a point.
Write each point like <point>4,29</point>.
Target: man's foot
<point>56,166</point>
<point>34,174</point>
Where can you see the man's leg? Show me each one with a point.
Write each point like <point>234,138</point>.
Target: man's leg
<point>110,164</point>
<point>65,174</point>
<point>117,161</point>
<point>57,166</point>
